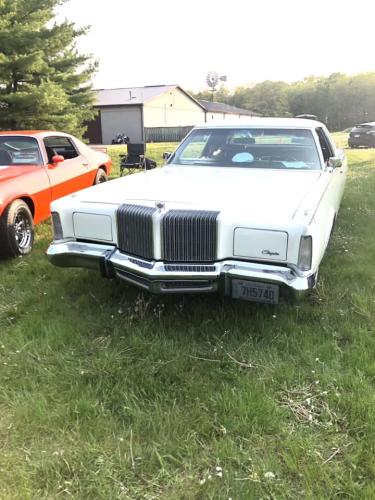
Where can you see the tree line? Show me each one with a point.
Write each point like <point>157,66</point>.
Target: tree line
<point>338,100</point>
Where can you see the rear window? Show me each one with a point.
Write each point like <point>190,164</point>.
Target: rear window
<point>19,150</point>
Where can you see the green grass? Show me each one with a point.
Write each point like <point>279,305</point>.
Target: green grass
<point>106,392</point>
<point>153,150</point>
<point>341,139</point>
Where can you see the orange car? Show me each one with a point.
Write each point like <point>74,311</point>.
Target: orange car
<point>37,167</point>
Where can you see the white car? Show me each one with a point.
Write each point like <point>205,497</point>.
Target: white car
<point>246,209</point>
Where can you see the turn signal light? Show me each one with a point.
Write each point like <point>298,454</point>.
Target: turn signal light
<point>305,253</point>
<point>57,227</point>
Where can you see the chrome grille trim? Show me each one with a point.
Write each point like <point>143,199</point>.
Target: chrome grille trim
<point>141,263</point>
<point>189,236</point>
<point>135,230</point>
<point>187,268</point>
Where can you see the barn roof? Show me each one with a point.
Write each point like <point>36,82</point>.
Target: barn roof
<point>220,107</point>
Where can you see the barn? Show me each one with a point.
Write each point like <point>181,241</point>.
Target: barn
<point>221,111</point>
<point>155,113</point>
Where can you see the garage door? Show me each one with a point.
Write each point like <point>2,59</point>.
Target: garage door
<point>122,120</point>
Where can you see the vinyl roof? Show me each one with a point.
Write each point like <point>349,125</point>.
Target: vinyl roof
<point>220,107</point>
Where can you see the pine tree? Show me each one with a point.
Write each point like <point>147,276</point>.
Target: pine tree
<point>44,81</point>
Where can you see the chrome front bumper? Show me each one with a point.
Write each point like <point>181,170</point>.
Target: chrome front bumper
<point>161,277</point>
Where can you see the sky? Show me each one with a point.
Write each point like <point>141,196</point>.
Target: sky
<point>145,42</point>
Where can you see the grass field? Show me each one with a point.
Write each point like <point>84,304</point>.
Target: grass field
<point>154,151</point>
<point>106,392</point>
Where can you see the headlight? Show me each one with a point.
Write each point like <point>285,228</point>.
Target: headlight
<point>89,226</point>
<point>57,227</point>
<point>305,253</point>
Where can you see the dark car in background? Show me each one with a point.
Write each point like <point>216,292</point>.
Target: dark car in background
<point>362,135</point>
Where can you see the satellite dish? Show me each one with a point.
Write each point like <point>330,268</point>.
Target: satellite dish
<point>212,79</point>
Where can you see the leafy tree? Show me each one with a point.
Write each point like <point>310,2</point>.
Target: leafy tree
<point>340,101</point>
<point>205,95</point>
<point>44,82</point>
<point>221,95</point>
<point>268,98</point>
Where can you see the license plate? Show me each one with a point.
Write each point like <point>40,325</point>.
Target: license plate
<point>356,135</point>
<point>255,292</point>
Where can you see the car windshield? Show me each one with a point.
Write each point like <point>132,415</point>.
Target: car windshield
<point>249,148</point>
<point>19,150</point>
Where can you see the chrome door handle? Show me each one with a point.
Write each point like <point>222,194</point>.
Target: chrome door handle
<point>85,164</point>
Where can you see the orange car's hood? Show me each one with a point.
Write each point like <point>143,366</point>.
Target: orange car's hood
<point>10,171</point>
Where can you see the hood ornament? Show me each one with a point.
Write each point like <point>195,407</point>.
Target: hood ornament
<point>160,205</point>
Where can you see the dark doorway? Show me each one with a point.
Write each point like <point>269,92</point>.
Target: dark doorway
<point>94,130</point>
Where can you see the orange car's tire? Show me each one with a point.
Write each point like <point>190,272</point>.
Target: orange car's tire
<point>101,176</point>
<point>16,230</point>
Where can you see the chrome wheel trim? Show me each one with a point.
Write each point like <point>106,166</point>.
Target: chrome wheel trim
<point>22,230</point>
<point>102,178</point>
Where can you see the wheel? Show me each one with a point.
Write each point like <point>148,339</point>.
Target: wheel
<point>16,230</point>
<point>101,177</point>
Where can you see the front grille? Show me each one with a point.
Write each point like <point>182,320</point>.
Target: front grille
<point>187,268</point>
<point>189,235</point>
<point>134,226</point>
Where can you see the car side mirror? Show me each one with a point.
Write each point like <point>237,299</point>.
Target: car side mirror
<point>335,162</point>
<point>56,159</point>
<point>167,155</point>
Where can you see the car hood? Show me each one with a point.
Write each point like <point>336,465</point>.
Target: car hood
<point>209,188</point>
<point>10,171</point>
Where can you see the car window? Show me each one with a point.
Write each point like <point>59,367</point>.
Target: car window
<point>194,149</point>
<point>19,150</point>
<point>81,146</point>
<point>249,148</point>
<point>324,144</point>
<point>60,146</point>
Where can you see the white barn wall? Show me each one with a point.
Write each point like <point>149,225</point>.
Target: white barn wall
<point>172,109</point>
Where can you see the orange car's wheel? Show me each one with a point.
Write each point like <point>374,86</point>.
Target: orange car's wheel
<point>101,176</point>
<point>16,230</point>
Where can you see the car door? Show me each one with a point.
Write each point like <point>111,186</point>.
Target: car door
<point>26,176</point>
<point>338,175</point>
<point>335,180</point>
<point>70,175</point>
